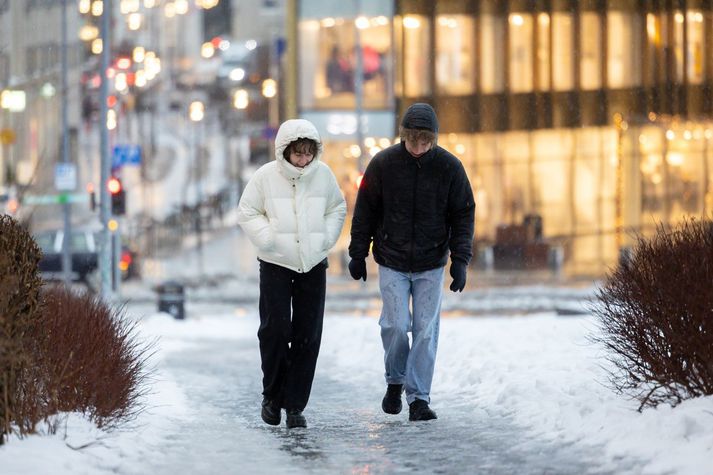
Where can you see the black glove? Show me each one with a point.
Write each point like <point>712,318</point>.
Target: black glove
<point>458,272</point>
<point>357,268</point>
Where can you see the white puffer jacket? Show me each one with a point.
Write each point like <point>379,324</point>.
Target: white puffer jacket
<point>293,216</point>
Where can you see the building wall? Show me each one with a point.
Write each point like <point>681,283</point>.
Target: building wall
<point>593,115</point>
<point>30,34</point>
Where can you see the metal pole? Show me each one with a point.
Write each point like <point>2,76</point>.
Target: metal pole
<point>199,192</point>
<point>116,256</point>
<point>66,207</point>
<point>105,211</point>
<point>359,87</point>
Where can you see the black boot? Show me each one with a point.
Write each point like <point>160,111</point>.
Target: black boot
<point>391,404</point>
<point>295,419</point>
<point>419,411</point>
<point>271,412</point>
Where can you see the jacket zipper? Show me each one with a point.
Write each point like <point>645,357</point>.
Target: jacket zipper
<point>413,213</point>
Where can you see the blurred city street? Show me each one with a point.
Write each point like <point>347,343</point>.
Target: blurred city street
<point>129,130</point>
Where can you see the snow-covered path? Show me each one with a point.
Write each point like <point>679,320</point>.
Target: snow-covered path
<point>347,432</point>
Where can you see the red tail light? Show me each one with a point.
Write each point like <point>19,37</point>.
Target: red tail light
<point>125,260</point>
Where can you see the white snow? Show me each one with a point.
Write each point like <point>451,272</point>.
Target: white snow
<point>540,369</point>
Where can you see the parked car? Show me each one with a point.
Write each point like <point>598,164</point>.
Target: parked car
<point>84,254</point>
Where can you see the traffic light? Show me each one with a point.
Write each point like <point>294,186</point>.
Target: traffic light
<point>118,196</point>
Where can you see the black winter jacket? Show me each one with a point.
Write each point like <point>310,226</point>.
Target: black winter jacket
<point>414,209</point>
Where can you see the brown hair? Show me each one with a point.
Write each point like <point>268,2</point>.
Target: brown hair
<point>417,135</point>
<point>301,145</point>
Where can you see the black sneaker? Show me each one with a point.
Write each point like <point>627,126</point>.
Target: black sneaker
<point>419,411</point>
<point>271,412</point>
<point>295,419</point>
<point>391,404</point>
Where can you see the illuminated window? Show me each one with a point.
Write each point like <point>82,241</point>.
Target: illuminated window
<point>455,50</point>
<point>415,78</point>
<point>327,77</point>
<point>492,60</point>
<point>543,52</point>
<point>623,42</point>
<point>563,51</point>
<point>655,39</point>
<point>678,45</point>
<point>521,58</point>
<point>696,49</point>
<point>591,51</point>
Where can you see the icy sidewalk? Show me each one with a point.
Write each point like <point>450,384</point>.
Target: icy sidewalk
<point>223,433</point>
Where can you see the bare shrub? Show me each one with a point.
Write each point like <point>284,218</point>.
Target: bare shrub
<point>87,358</point>
<point>655,313</point>
<point>19,308</point>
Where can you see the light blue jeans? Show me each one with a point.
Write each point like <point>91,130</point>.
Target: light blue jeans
<point>401,292</point>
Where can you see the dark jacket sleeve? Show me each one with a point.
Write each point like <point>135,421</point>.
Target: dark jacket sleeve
<point>461,216</point>
<point>367,211</point>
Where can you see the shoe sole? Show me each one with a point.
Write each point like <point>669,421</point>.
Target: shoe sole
<point>422,419</point>
<point>273,421</point>
<point>296,425</point>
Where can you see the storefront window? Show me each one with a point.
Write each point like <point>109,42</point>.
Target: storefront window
<point>672,169</point>
<point>684,162</point>
<point>492,61</point>
<point>455,53</point>
<point>591,51</point>
<point>521,56</point>
<point>696,50</point>
<point>518,196</point>
<point>624,61</point>
<point>563,51</point>
<point>594,197</point>
<point>552,151</point>
<point>486,176</point>
<point>327,77</point>
<point>652,173</point>
<point>543,52</point>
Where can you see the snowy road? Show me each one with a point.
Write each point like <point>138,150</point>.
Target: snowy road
<point>347,431</point>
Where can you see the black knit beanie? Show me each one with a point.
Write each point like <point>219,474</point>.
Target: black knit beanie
<point>420,116</point>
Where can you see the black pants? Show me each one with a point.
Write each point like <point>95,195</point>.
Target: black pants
<point>291,315</point>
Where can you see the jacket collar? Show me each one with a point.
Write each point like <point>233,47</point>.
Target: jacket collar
<point>291,172</point>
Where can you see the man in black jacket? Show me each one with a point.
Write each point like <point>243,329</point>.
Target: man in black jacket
<point>416,204</point>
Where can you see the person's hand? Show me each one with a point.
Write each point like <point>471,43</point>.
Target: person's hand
<point>458,272</point>
<point>357,268</point>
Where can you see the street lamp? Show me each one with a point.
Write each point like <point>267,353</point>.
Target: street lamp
<point>196,112</point>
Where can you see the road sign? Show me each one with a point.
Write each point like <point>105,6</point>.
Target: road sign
<point>126,155</point>
<point>55,199</point>
<point>65,177</point>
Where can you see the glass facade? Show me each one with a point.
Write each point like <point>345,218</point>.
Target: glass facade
<point>617,104</point>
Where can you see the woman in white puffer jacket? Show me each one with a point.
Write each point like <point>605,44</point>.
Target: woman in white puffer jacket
<point>292,210</point>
